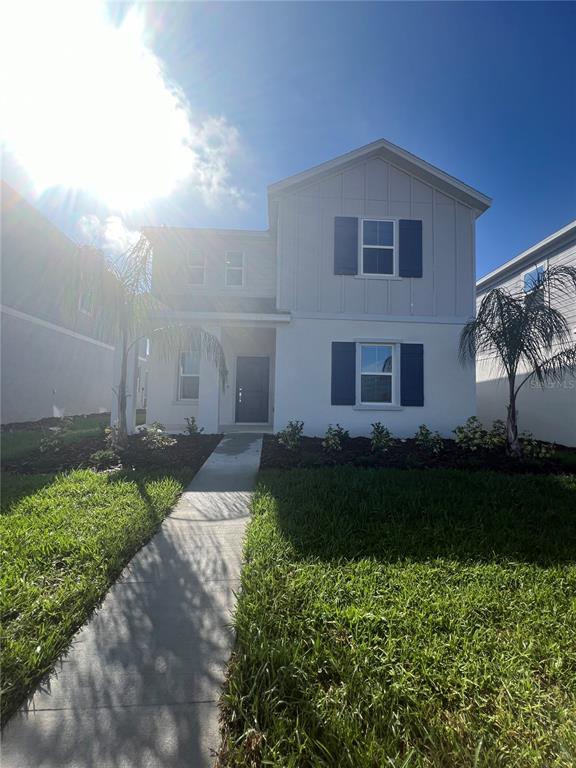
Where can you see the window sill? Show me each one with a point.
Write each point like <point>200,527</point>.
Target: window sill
<point>378,277</point>
<point>186,402</point>
<point>378,407</point>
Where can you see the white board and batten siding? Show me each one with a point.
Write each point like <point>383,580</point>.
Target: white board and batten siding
<point>375,189</point>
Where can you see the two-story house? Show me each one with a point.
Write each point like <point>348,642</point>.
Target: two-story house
<point>347,309</point>
<point>548,411</point>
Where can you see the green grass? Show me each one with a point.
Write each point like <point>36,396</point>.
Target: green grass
<point>406,618</point>
<point>64,540</point>
<point>18,443</point>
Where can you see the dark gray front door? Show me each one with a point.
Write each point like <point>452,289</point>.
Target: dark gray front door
<point>252,377</point>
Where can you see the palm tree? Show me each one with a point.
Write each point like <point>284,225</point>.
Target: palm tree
<point>126,313</point>
<point>524,333</point>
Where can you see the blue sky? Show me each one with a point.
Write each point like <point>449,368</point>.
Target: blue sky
<point>485,91</point>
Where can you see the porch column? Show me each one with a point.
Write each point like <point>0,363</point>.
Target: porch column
<point>209,395</point>
<point>131,382</point>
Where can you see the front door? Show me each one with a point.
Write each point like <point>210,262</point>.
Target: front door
<point>252,380</point>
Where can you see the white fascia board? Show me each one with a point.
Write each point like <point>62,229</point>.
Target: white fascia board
<point>534,253</point>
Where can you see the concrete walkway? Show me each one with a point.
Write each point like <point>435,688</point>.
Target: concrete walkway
<point>140,686</point>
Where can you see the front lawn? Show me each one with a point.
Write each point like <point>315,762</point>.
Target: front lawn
<point>64,540</point>
<point>406,618</point>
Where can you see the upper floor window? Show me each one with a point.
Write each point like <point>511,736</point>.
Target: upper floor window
<point>234,269</point>
<point>195,267</point>
<point>378,247</point>
<point>376,371</point>
<point>533,279</point>
<point>189,376</point>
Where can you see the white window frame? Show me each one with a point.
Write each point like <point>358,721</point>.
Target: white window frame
<point>190,267</point>
<point>181,376</point>
<point>533,268</point>
<point>229,268</point>
<point>361,246</point>
<point>394,375</point>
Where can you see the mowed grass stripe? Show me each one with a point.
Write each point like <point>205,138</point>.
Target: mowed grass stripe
<point>406,618</point>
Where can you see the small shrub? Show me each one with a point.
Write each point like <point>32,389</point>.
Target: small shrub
<point>104,458</point>
<point>380,438</point>
<point>154,437</point>
<point>191,427</point>
<point>428,441</point>
<point>496,438</point>
<point>290,436</point>
<point>111,438</point>
<point>535,449</point>
<point>334,438</point>
<point>471,436</point>
<point>52,440</point>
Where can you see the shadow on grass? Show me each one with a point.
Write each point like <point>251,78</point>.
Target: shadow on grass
<point>16,487</point>
<point>421,515</point>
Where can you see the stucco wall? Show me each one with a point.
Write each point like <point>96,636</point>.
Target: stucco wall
<point>375,188</point>
<point>303,377</point>
<point>49,373</point>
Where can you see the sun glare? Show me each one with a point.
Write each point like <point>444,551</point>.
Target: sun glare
<point>87,106</point>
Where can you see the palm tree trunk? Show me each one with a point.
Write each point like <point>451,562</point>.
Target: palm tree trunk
<point>514,448</point>
<point>122,399</point>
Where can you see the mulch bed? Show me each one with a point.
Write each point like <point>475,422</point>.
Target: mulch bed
<point>403,454</point>
<point>188,451</point>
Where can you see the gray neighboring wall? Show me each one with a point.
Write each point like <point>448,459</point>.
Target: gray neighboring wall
<point>53,360</point>
<point>548,412</point>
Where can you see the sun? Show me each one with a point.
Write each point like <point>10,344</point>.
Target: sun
<point>87,106</point>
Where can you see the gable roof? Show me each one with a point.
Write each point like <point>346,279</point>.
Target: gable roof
<point>397,156</point>
<point>554,243</point>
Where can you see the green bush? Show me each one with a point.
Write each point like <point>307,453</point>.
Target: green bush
<point>154,437</point>
<point>334,438</point>
<point>497,436</point>
<point>380,438</point>
<point>471,436</point>
<point>428,441</point>
<point>290,436</point>
<point>535,449</point>
<point>191,427</point>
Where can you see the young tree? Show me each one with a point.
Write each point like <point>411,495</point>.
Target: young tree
<point>126,313</point>
<point>526,336</point>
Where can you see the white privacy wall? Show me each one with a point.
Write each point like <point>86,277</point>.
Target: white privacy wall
<point>303,377</point>
<point>50,372</point>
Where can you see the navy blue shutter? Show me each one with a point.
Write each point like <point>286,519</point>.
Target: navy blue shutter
<point>411,374</point>
<point>345,245</point>
<point>410,249</point>
<point>343,373</point>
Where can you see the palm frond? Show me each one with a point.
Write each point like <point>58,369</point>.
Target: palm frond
<point>554,368</point>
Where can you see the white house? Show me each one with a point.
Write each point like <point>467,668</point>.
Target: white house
<point>548,412</point>
<point>347,309</point>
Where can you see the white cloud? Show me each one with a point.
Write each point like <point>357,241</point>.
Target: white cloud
<point>111,235</point>
<point>88,105</point>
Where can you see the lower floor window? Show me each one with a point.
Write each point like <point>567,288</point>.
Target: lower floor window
<point>376,373</point>
<point>189,376</point>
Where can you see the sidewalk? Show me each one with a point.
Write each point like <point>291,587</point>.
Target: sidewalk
<point>140,685</point>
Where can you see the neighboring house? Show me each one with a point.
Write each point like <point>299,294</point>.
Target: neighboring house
<point>53,361</point>
<point>347,309</point>
<point>548,412</point>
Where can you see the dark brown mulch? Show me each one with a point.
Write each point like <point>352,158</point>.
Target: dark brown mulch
<point>403,454</point>
<point>189,451</point>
